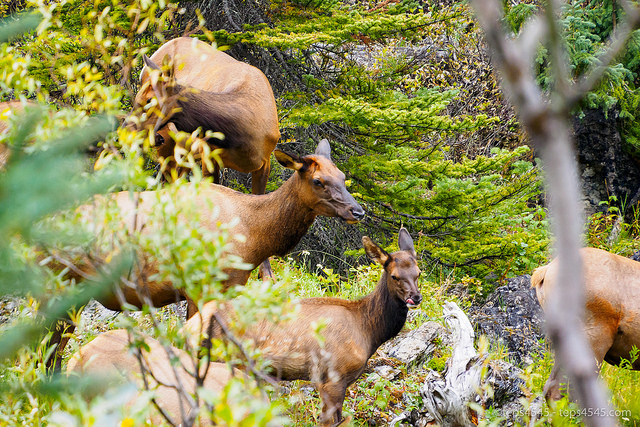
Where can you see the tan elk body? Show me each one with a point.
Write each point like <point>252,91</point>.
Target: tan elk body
<point>109,356</point>
<point>218,93</point>
<point>353,330</point>
<point>612,307</point>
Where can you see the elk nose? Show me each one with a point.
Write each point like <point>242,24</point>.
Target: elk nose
<point>417,299</point>
<point>357,212</point>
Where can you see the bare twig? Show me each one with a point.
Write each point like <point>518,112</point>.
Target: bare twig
<point>252,364</point>
<point>179,387</point>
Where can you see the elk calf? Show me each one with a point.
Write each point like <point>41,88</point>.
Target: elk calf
<point>109,355</point>
<point>353,329</point>
<point>612,307</point>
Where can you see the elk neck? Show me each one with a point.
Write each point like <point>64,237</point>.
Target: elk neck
<point>384,315</point>
<point>281,218</point>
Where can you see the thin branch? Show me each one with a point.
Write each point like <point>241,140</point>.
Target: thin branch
<point>252,364</point>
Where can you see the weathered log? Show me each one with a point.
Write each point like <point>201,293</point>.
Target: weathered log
<point>446,397</point>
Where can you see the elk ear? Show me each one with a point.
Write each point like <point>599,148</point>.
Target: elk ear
<point>149,63</point>
<point>323,149</point>
<point>405,242</point>
<point>289,161</point>
<point>375,252</point>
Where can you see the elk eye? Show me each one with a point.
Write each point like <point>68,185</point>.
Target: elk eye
<point>394,277</point>
<point>317,182</point>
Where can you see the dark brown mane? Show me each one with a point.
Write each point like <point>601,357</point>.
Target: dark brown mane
<point>217,112</point>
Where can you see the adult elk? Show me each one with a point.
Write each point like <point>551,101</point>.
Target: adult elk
<point>353,330</point>
<point>217,93</point>
<point>612,309</point>
<point>109,355</point>
<point>273,223</point>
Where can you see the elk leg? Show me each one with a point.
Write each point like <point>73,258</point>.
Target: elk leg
<point>216,172</point>
<point>600,333</point>
<point>265,272</point>
<point>59,338</point>
<point>332,395</point>
<point>235,277</point>
<point>192,308</point>
<point>551,389</point>
<point>259,178</point>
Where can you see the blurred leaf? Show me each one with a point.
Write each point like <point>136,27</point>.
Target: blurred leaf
<point>12,27</point>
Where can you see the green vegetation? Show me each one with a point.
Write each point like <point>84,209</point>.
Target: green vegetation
<point>587,25</point>
<point>405,93</point>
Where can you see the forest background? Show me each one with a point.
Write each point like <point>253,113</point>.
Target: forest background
<point>404,91</point>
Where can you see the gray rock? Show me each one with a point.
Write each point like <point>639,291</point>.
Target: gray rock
<point>606,168</point>
<point>415,347</point>
<point>513,316</point>
<point>387,372</point>
<point>506,382</point>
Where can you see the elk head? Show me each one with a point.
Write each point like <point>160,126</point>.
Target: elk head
<point>324,190</point>
<point>401,268</point>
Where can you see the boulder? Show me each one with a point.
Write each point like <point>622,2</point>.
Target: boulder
<point>513,316</point>
<point>606,169</point>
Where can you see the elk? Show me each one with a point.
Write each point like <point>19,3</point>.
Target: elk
<point>353,329</point>
<point>612,311</point>
<point>273,223</point>
<point>110,355</point>
<point>218,93</point>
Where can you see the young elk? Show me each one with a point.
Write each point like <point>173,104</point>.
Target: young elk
<point>109,355</point>
<point>217,93</point>
<point>273,223</point>
<point>612,310</point>
<point>353,329</point>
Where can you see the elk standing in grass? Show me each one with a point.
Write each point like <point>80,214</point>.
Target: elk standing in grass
<point>218,93</point>
<point>612,307</point>
<point>352,333</point>
<point>273,223</point>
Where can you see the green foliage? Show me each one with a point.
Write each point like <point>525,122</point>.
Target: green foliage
<point>474,213</point>
<point>607,229</point>
<point>48,172</point>
<point>297,31</point>
<point>587,26</point>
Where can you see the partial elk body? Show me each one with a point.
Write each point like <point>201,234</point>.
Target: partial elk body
<point>273,223</point>
<point>111,357</point>
<point>612,309</point>
<point>218,93</point>
<point>353,330</point>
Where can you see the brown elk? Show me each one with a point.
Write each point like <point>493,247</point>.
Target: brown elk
<point>273,223</point>
<point>110,356</point>
<point>218,93</point>
<point>353,329</point>
<point>612,312</point>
